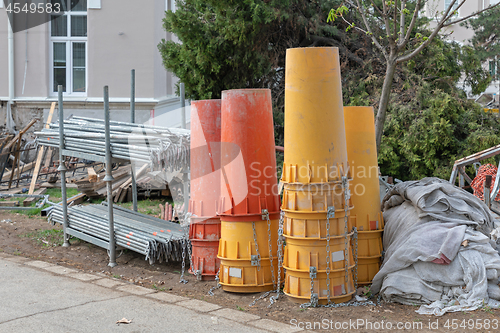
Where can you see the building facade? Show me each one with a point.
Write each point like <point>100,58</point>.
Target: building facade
<point>456,32</point>
<point>93,44</point>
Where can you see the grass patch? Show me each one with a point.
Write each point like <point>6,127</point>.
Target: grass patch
<point>146,206</point>
<point>46,238</point>
<point>55,193</point>
<point>157,288</point>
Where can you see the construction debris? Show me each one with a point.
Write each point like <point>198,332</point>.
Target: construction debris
<point>10,148</point>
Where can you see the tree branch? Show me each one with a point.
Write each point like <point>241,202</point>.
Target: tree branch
<point>386,18</point>
<point>436,30</point>
<point>403,43</point>
<point>378,9</point>
<point>402,20</point>
<point>471,15</point>
<point>370,32</point>
<point>396,19</point>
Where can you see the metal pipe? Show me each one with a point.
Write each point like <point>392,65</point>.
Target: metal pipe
<point>486,190</point>
<point>62,166</point>
<point>185,178</point>
<point>132,120</point>
<point>10,46</point>
<point>134,231</point>
<point>142,126</point>
<point>183,106</point>
<point>132,96</point>
<point>109,182</point>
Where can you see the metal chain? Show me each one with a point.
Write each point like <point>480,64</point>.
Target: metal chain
<point>280,256</point>
<point>217,285</point>
<point>355,236</point>
<point>273,299</point>
<point>256,247</point>
<point>261,297</point>
<point>191,259</point>
<point>345,186</point>
<point>346,304</point>
<point>182,280</point>
<point>328,252</point>
<point>186,245</point>
<point>314,300</point>
<point>265,214</point>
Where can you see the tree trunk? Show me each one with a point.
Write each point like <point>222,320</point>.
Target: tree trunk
<point>384,101</point>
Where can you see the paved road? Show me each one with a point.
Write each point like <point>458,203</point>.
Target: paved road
<point>36,296</point>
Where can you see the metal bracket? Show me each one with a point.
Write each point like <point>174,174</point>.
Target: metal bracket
<point>265,214</point>
<point>345,185</point>
<point>254,260</point>
<point>330,212</point>
<point>312,272</point>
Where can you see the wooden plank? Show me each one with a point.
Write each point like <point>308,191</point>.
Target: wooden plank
<point>17,139</point>
<point>77,199</point>
<point>122,194</point>
<point>48,157</point>
<point>9,203</point>
<point>40,152</point>
<point>28,201</point>
<point>57,185</point>
<point>122,191</point>
<point>24,168</point>
<point>92,175</point>
<point>16,157</point>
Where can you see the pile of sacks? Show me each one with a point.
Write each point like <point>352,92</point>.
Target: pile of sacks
<point>440,249</point>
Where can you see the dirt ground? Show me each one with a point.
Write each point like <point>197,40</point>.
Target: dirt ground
<point>20,237</point>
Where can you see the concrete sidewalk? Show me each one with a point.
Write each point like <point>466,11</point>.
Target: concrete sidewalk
<point>36,296</point>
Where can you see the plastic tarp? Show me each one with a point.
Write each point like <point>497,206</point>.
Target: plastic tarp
<point>438,251</point>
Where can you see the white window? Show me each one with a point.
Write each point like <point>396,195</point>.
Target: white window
<point>447,4</point>
<point>68,47</point>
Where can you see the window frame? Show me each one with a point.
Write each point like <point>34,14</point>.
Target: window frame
<point>456,5</point>
<point>69,41</point>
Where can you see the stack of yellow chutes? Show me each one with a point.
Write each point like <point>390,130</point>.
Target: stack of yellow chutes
<point>365,192</point>
<point>318,257</point>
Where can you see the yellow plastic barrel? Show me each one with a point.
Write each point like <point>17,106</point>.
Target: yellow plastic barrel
<point>315,148</point>
<point>238,243</point>
<point>362,155</point>
<point>368,267</point>
<point>314,198</point>
<point>365,189</point>
<point>370,243</point>
<point>316,176</point>
<point>300,226</point>
<point>301,254</point>
<point>298,286</point>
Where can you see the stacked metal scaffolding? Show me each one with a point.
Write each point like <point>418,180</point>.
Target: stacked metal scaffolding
<point>161,147</point>
<point>157,239</point>
<point>103,140</point>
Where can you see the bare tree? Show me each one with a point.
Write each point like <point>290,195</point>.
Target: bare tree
<point>394,37</point>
